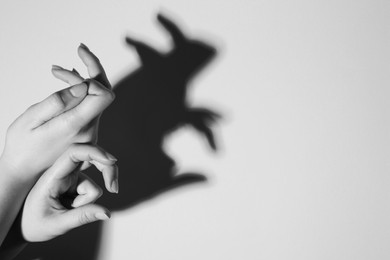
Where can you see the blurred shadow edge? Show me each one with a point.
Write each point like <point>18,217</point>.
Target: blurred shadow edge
<point>150,103</point>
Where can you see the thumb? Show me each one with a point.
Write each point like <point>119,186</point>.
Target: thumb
<point>56,104</point>
<point>82,215</point>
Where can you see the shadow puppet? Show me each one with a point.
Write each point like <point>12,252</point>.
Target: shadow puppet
<point>150,103</point>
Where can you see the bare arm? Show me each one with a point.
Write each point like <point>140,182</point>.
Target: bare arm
<point>45,130</point>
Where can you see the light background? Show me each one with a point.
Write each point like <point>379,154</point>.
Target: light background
<point>303,170</point>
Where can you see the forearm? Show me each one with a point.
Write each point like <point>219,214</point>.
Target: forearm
<point>13,191</point>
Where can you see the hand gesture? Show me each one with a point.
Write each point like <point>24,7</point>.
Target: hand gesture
<point>44,215</point>
<point>45,130</point>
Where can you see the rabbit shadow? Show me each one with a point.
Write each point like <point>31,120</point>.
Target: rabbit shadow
<point>150,104</point>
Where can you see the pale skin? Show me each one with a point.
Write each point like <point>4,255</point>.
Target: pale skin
<point>45,134</point>
<point>44,217</point>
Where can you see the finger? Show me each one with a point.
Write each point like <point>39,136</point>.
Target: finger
<point>83,215</point>
<point>110,175</point>
<point>56,104</point>
<point>98,99</point>
<point>70,77</point>
<point>88,191</point>
<point>85,165</point>
<point>78,153</point>
<point>95,68</point>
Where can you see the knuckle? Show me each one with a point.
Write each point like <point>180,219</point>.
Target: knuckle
<point>88,133</point>
<point>100,90</point>
<point>56,100</point>
<point>109,96</point>
<point>85,218</point>
<point>80,147</point>
<point>72,121</point>
<point>86,138</point>
<point>72,149</point>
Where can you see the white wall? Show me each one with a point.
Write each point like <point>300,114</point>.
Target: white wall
<point>303,172</point>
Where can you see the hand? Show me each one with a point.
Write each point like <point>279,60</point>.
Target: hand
<point>45,130</point>
<point>44,216</point>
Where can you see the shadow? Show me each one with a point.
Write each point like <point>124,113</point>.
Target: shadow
<point>150,103</point>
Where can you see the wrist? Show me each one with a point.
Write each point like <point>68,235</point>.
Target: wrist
<point>11,174</point>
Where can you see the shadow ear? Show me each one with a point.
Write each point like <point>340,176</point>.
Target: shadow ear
<point>176,34</point>
<point>145,52</point>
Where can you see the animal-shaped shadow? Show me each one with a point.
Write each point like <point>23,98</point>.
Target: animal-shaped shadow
<point>150,103</point>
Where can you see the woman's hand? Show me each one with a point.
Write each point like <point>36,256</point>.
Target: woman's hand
<point>44,216</point>
<point>45,130</point>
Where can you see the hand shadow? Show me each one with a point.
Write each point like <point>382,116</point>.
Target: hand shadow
<point>150,103</point>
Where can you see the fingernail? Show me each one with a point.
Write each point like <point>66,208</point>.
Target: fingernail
<point>111,157</point>
<point>115,186</point>
<point>79,90</point>
<point>56,67</point>
<point>82,45</point>
<point>102,216</point>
